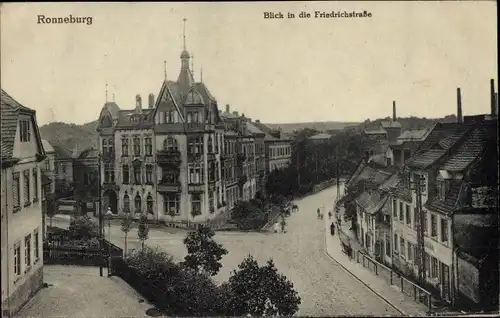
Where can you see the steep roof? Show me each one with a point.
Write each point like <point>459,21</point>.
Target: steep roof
<point>113,109</point>
<point>321,136</point>
<point>253,129</point>
<point>449,203</point>
<point>47,146</point>
<point>371,202</point>
<point>131,119</point>
<point>413,135</point>
<point>62,153</point>
<point>390,124</point>
<point>10,109</point>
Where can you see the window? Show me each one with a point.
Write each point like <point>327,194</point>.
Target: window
<point>169,116</point>
<point>415,219</point>
<point>402,246</point>
<point>148,146</point>
<point>395,208</point>
<point>36,245</point>
<point>16,191</point>
<point>410,251</point>
<point>387,245</point>
<point>408,215</point>
<point>26,176</point>
<point>401,212</point>
<point>137,146</point>
<point>396,243</point>
<point>24,125</point>
<point>196,145</point>
<point>149,174</point>
<point>126,174</point>
<point>35,185</point>
<point>137,175</point>
<point>434,268</point>
<point>149,204</point>
<point>442,187</point>
<point>195,174</point>
<point>126,203</point>
<point>196,202</point>
<point>427,262</point>
<point>27,251</point>
<point>107,146</point>
<point>433,226</point>
<point>172,204</point>
<point>423,184</point>
<point>137,202</point>
<point>109,174</point>
<point>17,259</point>
<point>170,144</point>
<point>210,144</point>
<point>169,177</point>
<point>444,230</point>
<point>125,146</point>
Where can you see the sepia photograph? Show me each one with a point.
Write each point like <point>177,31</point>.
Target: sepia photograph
<point>301,158</point>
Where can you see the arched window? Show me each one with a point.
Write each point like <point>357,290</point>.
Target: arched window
<point>137,202</point>
<point>126,203</point>
<point>170,144</point>
<point>150,204</point>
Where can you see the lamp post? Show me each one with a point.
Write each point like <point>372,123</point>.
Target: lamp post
<point>109,215</point>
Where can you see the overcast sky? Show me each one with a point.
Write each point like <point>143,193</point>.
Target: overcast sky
<point>281,70</point>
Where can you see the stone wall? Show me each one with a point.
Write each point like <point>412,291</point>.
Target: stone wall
<point>23,293</point>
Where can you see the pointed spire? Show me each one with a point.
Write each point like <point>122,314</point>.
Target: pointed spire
<point>165,69</point>
<point>106,92</point>
<point>192,66</point>
<point>184,35</point>
<point>201,74</point>
<point>113,97</point>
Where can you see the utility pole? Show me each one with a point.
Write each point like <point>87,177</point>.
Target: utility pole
<point>417,186</point>
<point>99,211</point>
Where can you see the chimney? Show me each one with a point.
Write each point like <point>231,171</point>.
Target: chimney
<point>394,110</point>
<point>138,103</point>
<point>235,113</point>
<point>227,108</point>
<point>459,106</point>
<point>257,121</point>
<point>493,101</point>
<point>151,100</point>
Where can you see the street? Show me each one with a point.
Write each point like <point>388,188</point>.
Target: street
<point>325,288</point>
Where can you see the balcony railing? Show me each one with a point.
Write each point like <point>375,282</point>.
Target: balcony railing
<point>196,187</point>
<point>110,186</point>
<point>168,157</point>
<point>241,157</point>
<point>211,156</point>
<point>165,186</point>
<point>195,157</point>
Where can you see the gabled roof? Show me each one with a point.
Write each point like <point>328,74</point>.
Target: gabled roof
<point>10,110</point>
<point>90,153</point>
<point>379,131</point>
<point>413,135</point>
<point>449,204</point>
<point>62,153</point>
<point>253,129</point>
<point>47,146</point>
<point>371,203</point>
<point>113,109</point>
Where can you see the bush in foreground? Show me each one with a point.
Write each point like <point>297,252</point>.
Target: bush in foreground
<point>82,227</point>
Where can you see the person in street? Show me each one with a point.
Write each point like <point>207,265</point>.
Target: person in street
<point>332,228</point>
<point>319,213</point>
<point>330,214</point>
<point>283,225</point>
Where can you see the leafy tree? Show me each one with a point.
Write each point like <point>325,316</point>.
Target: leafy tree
<point>50,206</point>
<point>248,216</point>
<point>143,229</point>
<point>204,254</point>
<point>82,227</point>
<point>260,291</point>
<point>126,226</point>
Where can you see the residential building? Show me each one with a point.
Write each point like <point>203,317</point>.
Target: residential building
<point>22,156</point>
<point>86,178</point>
<point>165,160</point>
<point>63,172</point>
<point>454,165</point>
<point>48,170</point>
<point>377,140</point>
<point>404,146</point>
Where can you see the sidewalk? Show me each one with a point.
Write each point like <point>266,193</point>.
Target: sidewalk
<point>378,285</point>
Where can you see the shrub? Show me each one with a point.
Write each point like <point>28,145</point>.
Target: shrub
<point>82,227</point>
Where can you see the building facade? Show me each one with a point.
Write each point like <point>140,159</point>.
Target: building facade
<point>22,161</point>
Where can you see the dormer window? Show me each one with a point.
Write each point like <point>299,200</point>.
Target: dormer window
<point>442,188</point>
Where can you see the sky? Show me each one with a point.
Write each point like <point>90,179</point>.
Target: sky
<point>274,70</point>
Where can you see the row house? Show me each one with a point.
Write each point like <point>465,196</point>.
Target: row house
<point>278,148</point>
<point>22,155</point>
<point>378,140</point>
<point>165,160</point>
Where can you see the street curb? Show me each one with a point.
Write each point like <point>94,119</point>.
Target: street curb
<point>361,281</point>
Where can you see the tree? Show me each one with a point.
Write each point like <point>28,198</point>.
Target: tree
<point>126,226</point>
<point>204,254</point>
<point>51,206</point>
<point>143,229</point>
<point>248,216</point>
<point>82,227</point>
<point>260,291</point>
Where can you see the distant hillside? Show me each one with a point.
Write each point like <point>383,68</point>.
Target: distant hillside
<point>319,126</point>
<point>70,135</point>
<point>85,136</point>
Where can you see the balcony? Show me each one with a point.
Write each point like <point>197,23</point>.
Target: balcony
<point>241,158</point>
<point>195,157</point>
<point>108,156</point>
<point>211,156</point>
<point>165,186</point>
<point>110,186</point>
<point>168,157</point>
<point>196,187</point>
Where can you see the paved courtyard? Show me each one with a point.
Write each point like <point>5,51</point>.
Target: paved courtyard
<point>76,291</point>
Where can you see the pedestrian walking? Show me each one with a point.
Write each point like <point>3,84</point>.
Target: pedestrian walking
<point>330,214</point>
<point>283,225</point>
<point>332,228</point>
